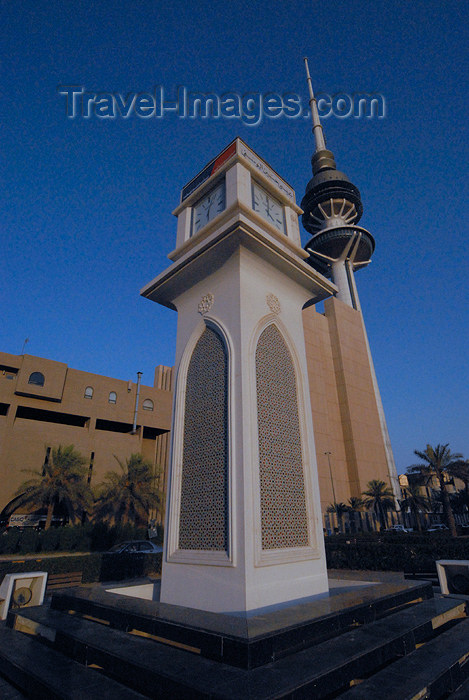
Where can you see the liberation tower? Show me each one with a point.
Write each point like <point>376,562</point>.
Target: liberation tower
<point>332,208</point>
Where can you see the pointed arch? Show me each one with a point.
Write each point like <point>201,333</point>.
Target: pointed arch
<point>204,502</point>
<point>283,510</point>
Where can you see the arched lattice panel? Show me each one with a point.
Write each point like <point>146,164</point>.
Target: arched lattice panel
<point>282,488</point>
<point>203,521</point>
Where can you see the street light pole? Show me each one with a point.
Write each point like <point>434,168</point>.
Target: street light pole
<point>328,454</point>
<point>134,427</point>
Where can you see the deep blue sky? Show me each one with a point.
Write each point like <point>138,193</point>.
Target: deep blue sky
<point>86,203</point>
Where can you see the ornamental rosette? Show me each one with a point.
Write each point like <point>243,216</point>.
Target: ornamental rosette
<point>273,303</point>
<point>205,303</point>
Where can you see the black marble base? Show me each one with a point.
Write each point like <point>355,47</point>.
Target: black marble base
<point>245,642</point>
<point>378,637</point>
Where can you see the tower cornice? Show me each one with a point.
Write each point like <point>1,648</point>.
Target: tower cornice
<point>216,249</point>
<point>237,151</point>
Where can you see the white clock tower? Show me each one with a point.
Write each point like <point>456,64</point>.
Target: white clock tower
<point>243,528</point>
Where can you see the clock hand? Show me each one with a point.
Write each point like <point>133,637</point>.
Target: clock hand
<point>269,207</point>
<point>207,208</point>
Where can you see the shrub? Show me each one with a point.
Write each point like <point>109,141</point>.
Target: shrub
<point>28,542</point>
<point>122,566</point>
<point>395,553</point>
<point>95,537</point>
<point>49,540</point>
<point>95,567</point>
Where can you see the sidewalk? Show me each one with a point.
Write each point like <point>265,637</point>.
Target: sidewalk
<point>16,558</point>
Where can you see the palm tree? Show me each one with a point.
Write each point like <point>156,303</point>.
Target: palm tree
<point>355,504</point>
<point>439,460</point>
<point>379,497</point>
<point>339,509</point>
<point>459,502</point>
<point>415,502</point>
<point>459,469</point>
<point>62,481</point>
<point>127,497</point>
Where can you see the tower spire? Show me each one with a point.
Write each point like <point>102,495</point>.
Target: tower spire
<point>318,133</point>
<point>322,158</point>
<point>332,208</point>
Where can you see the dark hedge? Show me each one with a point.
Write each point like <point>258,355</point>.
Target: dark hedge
<point>94,538</point>
<point>95,567</point>
<point>90,537</point>
<point>406,552</point>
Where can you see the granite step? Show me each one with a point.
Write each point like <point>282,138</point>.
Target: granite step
<point>462,692</point>
<point>151,667</point>
<point>46,674</point>
<point>9,692</point>
<point>432,671</point>
<point>252,641</point>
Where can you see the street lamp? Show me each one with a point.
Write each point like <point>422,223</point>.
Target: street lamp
<point>328,455</point>
<point>134,426</point>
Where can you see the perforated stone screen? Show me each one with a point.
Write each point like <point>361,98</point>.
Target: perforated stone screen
<point>204,492</point>
<point>283,502</point>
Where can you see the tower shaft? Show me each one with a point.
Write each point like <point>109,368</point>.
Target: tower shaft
<point>338,247</point>
<point>243,528</point>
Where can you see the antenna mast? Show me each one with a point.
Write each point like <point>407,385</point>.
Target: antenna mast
<point>317,128</point>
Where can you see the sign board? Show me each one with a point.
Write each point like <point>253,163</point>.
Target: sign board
<point>256,162</point>
<point>25,520</point>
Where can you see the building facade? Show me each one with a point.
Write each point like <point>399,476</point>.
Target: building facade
<point>44,403</point>
<point>349,441</point>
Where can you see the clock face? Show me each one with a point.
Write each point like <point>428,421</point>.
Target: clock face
<point>208,207</point>
<point>268,207</point>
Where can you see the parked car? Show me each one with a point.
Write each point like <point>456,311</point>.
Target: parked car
<point>135,547</point>
<point>438,527</point>
<point>399,528</point>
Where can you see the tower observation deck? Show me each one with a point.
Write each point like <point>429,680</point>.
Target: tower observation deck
<point>332,209</point>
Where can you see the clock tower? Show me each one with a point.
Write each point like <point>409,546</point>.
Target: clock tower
<point>243,526</point>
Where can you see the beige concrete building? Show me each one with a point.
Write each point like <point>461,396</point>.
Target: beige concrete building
<point>44,403</point>
<point>346,415</point>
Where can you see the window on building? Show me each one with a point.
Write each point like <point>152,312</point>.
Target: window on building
<point>36,378</point>
<point>40,414</point>
<point>89,392</point>
<point>112,397</point>
<point>148,405</point>
<point>8,372</point>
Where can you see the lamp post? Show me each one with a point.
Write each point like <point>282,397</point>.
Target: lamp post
<point>134,427</point>
<point>328,454</point>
